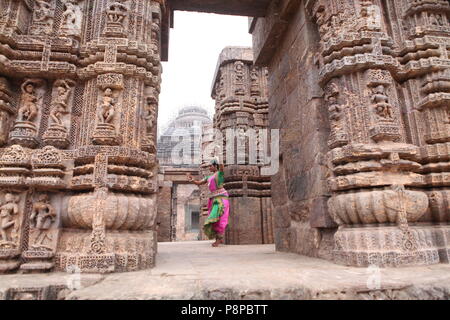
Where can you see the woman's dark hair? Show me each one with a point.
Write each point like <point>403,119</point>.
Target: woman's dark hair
<point>215,164</point>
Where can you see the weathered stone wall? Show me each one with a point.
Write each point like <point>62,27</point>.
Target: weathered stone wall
<point>299,193</point>
<point>240,91</point>
<point>360,91</point>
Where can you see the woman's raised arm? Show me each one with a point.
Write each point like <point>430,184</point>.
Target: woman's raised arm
<point>198,183</point>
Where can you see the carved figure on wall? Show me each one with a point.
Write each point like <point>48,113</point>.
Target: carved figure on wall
<point>71,18</point>
<point>150,114</point>
<point>8,210</point>
<point>323,25</point>
<point>436,20</point>
<point>29,109</point>
<point>59,107</point>
<point>254,77</point>
<point>383,108</point>
<point>117,12</point>
<point>156,29</point>
<point>334,108</point>
<point>105,131</point>
<point>43,13</point>
<point>107,109</point>
<point>69,15</point>
<point>239,77</point>
<point>43,215</point>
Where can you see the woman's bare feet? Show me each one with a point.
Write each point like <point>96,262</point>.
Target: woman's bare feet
<point>217,243</point>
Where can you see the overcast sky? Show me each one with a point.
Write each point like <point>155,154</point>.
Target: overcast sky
<point>195,44</point>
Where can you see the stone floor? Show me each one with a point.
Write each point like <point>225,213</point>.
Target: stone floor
<point>195,270</point>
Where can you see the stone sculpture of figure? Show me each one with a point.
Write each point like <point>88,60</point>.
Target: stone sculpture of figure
<point>439,20</point>
<point>382,107</point>
<point>42,217</point>
<point>7,210</point>
<point>320,17</point>
<point>149,115</point>
<point>44,12</point>
<point>436,20</point>
<point>254,77</point>
<point>59,107</point>
<point>107,110</point>
<point>334,108</point>
<point>69,16</point>
<point>117,12</point>
<point>29,110</point>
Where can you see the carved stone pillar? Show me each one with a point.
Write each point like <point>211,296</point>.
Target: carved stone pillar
<point>376,156</point>
<point>241,115</point>
<point>79,88</point>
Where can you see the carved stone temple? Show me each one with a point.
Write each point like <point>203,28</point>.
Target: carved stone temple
<point>358,89</point>
<point>241,114</point>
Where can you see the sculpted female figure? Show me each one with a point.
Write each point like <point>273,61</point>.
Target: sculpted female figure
<point>44,12</point>
<point>28,111</point>
<point>149,115</point>
<point>60,104</point>
<point>218,203</point>
<point>69,16</point>
<point>9,209</point>
<point>42,217</point>
<point>106,112</point>
<point>382,107</point>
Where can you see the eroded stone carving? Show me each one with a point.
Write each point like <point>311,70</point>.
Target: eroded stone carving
<point>43,16</point>
<point>9,226</point>
<point>105,132</point>
<point>72,18</point>
<point>116,15</point>
<point>57,132</point>
<point>149,117</point>
<point>26,127</point>
<point>43,215</point>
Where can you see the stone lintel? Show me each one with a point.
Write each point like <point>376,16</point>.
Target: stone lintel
<point>251,8</point>
<point>178,175</point>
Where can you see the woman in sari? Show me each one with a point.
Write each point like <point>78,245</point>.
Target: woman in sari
<point>218,204</point>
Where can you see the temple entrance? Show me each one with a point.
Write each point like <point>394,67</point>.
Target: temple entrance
<point>220,49</point>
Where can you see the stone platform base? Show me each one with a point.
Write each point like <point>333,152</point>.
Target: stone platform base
<point>124,252</point>
<point>195,270</point>
<point>391,247</point>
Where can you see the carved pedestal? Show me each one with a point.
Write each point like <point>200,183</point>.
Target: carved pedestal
<point>24,133</point>
<point>38,260</point>
<point>385,246</point>
<point>57,136</point>
<point>115,233</point>
<point>9,258</point>
<point>105,134</point>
